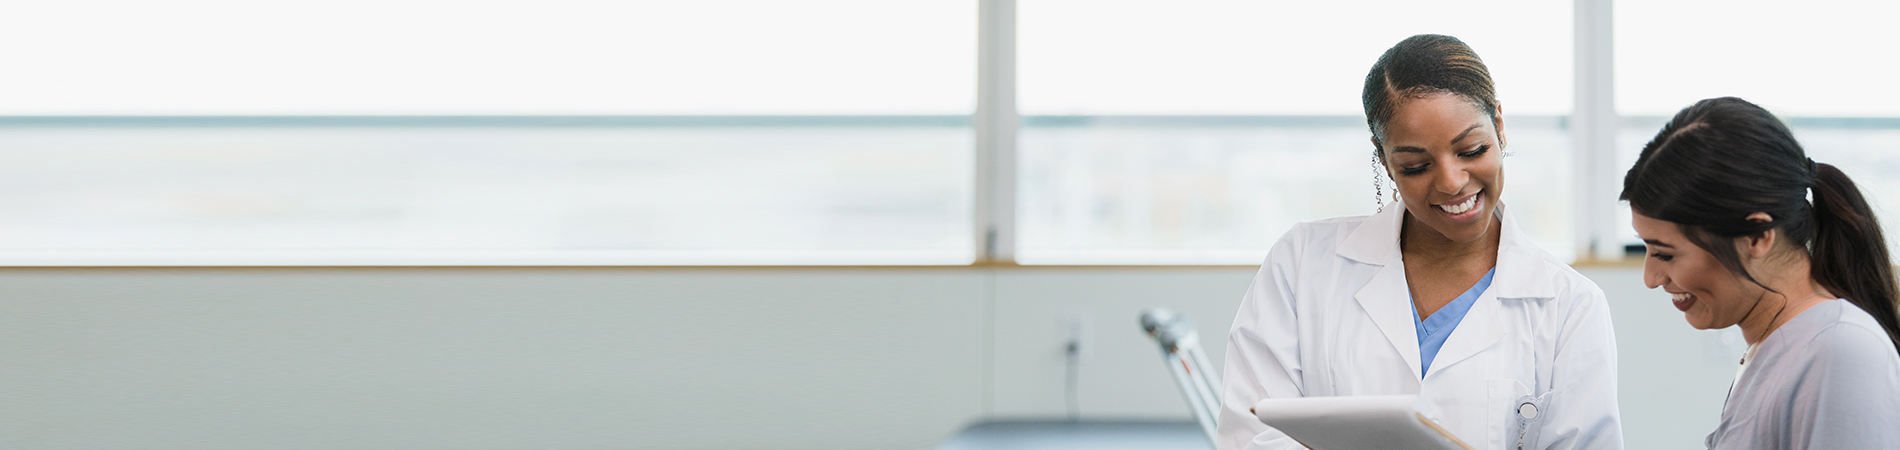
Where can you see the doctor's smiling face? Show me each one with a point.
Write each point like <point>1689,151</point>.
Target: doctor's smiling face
<point>1446,156</point>
<point>1708,294</point>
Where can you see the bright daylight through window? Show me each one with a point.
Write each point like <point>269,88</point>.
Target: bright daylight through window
<point>1199,131</point>
<point>1822,67</point>
<point>822,132</point>
<point>438,132</point>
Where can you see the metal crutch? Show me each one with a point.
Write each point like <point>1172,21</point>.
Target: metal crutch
<point>1181,349</point>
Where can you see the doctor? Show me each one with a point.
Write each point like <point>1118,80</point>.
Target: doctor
<point>1439,294</point>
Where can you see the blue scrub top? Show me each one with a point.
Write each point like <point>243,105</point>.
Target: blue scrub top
<point>1433,331</point>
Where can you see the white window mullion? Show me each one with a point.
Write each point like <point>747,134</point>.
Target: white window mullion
<point>996,124</point>
<point>1593,127</point>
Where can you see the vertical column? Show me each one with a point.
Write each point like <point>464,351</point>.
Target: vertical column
<point>996,123</point>
<point>1593,126</point>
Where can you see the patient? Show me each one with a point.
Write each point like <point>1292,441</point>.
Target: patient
<point>1720,197</point>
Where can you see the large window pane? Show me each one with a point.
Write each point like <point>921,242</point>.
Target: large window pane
<point>212,57</point>
<point>622,194</point>
<point>427,131</point>
<point>1822,58</point>
<point>1200,131</point>
<point>1818,65</point>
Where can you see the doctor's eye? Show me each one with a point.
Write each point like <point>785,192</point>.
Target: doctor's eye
<point>1476,152</point>
<point>1409,171</point>
<point>1663,256</point>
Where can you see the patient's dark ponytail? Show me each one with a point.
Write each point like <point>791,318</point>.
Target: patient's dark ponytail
<point>1722,159</point>
<point>1849,251</point>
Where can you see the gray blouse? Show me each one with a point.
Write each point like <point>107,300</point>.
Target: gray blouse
<point>1827,379</point>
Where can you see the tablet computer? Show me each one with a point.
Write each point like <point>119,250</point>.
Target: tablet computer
<point>1352,423</point>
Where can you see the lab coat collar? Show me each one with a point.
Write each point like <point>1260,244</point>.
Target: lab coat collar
<point>1523,273</point>
<point>1523,269</point>
<point>1376,241</point>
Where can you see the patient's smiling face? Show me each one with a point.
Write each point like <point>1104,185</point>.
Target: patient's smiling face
<point>1708,294</point>
<point>1446,157</point>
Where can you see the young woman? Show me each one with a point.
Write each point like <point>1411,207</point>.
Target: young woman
<point>1721,197</point>
<point>1439,294</point>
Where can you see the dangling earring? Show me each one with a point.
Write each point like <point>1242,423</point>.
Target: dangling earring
<point>1378,185</point>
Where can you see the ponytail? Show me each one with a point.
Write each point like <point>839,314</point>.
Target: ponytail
<point>1849,251</point>
<point>1722,159</point>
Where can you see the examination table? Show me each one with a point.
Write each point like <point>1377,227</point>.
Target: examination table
<point>1079,435</point>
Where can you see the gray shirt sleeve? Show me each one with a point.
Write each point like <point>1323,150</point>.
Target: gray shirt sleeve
<point>1828,379</point>
<point>1850,395</point>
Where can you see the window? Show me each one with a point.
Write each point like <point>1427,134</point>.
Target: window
<point>1200,131</point>
<point>1820,67</point>
<point>823,132</point>
<point>435,132</point>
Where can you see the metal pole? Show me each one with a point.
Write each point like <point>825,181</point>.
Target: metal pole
<point>1191,389</point>
<point>1209,380</point>
<point>1181,351</point>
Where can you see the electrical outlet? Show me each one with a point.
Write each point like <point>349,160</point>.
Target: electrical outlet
<point>1077,332</point>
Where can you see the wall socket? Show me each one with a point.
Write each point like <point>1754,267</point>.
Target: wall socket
<point>1077,332</point>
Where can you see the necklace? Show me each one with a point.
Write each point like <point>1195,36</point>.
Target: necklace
<point>1750,354</point>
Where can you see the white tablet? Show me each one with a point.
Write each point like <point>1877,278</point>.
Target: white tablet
<point>1352,423</point>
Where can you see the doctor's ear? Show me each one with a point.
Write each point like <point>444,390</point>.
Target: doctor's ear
<point>1497,123</point>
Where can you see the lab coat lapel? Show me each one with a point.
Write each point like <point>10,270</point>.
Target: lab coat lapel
<point>1481,327</point>
<point>1518,276</point>
<point>1388,301</point>
<point>1525,272</point>
<point>1385,298</point>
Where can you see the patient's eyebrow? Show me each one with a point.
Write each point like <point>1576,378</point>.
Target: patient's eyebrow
<point>1656,243</point>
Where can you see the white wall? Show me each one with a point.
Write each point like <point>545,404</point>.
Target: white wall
<point>579,358</point>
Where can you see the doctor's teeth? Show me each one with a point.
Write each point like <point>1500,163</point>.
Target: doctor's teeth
<point>1679,297</point>
<point>1461,207</point>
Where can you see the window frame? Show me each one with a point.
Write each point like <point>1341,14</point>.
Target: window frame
<point>996,126</point>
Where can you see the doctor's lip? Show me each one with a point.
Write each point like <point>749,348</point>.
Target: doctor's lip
<point>1463,209</point>
<point>1461,199</point>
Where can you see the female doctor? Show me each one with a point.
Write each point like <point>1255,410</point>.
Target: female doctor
<point>1439,294</point>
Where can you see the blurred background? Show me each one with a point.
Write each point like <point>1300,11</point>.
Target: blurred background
<point>829,224</point>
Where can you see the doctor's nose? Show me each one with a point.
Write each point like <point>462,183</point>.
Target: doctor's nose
<point>1452,180</point>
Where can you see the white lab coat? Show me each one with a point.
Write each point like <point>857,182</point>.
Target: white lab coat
<point>1330,314</point>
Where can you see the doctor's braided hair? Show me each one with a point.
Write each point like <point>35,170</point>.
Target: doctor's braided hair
<point>1420,66</point>
<point>1721,159</point>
